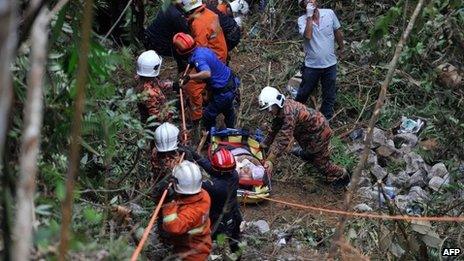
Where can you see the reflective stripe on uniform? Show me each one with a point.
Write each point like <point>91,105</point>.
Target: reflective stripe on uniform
<point>169,218</point>
<point>197,230</point>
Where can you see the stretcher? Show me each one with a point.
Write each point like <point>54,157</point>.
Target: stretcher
<point>254,181</point>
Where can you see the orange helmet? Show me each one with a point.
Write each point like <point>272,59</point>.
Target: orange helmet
<point>184,43</point>
<point>223,160</point>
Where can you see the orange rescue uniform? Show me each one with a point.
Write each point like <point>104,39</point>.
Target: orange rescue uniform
<point>207,32</point>
<point>186,220</point>
<point>154,101</point>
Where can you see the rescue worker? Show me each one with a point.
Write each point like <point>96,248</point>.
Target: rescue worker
<point>222,82</point>
<point>205,27</point>
<point>166,154</point>
<point>293,120</point>
<point>206,30</point>
<point>158,36</point>
<point>222,188</point>
<point>186,215</point>
<point>151,86</point>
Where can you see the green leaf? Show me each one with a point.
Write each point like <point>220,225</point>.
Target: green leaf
<point>383,23</point>
<point>59,190</point>
<point>43,210</point>
<point>92,215</point>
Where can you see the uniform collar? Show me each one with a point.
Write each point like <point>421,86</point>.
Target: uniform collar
<point>197,12</point>
<point>191,198</point>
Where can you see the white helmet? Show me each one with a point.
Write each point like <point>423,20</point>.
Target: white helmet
<point>239,6</point>
<point>270,96</point>
<point>149,64</point>
<point>188,178</point>
<point>189,5</point>
<point>166,137</point>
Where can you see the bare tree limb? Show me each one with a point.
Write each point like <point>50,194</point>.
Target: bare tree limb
<point>28,19</point>
<point>338,237</point>
<point>57,8</point>
<point>22,231</point>
<point>8,40</point>
<point>118,20</point>
<point>82,75</point>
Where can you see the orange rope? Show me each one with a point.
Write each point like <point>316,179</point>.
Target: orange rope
<point>184,125</point>
<point>147,230</point>
<point>367,215</point>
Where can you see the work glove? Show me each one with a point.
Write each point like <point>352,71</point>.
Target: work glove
<point>310,10</point>
<point>184,79</point>
<point>176,87</point>
<point>190,153</point>
<point>159,188</point>
<point>170,195</point>
<point>269,167</point>
<point>238,20</point>
<point>185,136</point>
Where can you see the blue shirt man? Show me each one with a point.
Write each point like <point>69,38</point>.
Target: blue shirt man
<point>320,29</point>
<point>204,59</point>
<point>221,81</point>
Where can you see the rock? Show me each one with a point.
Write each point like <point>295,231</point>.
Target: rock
<point>356,148</point>
<point>357,134</point>
<point>447,179</point>
<point>390,180</point>
<point>414,162</point>
<point>406,139</point>
<point>391,144</point>
<point>418,179</point>
<point>396,250</point>
<point>362,208</point>
<point>367,193</point>
<point>437,183</point>
<point>379,172</point>
<point>136,209</point>
<point>385,151</point>
<point>401,180</point>
<point>415,210</point>
<point>438,170</point>
<point>379,138</point>
<point>418,194</point>
<point>262,226</point>
<point>402,202</point>
<point>372,158</point>
<point>364,182</point>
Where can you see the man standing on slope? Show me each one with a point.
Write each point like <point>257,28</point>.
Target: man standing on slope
<point>319,27</point>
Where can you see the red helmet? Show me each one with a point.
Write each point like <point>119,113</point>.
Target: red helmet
<point>223,160</point>
<point>184,43</point>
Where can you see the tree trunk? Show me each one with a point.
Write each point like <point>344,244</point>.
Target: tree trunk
<point>75,146</point>
<point>8,39</point>
<point>22,231</point>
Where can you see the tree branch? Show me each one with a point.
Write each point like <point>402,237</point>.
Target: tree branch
<point>28,19</point>
<point>8,40</point>
<point>375,116</point>
<point>75,146</point>
<point>22,231</point>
